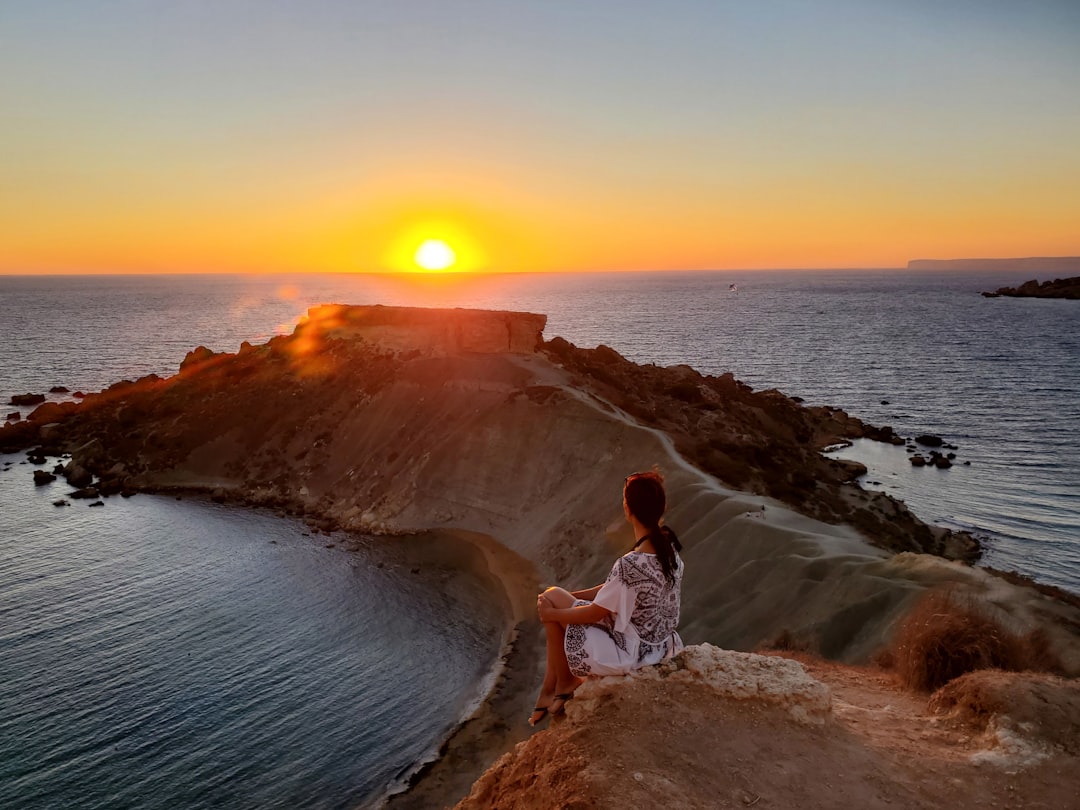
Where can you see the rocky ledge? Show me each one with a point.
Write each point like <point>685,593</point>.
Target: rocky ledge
<point>715,728</point>
<point>1058,288</point>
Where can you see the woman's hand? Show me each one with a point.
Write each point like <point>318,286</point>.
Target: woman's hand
<point>544,609</point>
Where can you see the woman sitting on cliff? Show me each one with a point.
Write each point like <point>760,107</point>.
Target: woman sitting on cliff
<point>626,623</point>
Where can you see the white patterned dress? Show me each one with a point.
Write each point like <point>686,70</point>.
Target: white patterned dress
<point>641,628</point>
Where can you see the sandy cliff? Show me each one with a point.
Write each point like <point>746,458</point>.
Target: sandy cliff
<point>379,419</point>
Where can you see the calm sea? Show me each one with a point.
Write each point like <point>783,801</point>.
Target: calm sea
<point>156,651</point>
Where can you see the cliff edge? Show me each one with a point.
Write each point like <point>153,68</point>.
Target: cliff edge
<point>718,729</point>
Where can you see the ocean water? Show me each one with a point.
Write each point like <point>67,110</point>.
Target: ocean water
<point>923,352</point>
<point>157,653</point>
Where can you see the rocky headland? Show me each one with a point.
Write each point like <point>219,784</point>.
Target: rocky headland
<point>1046,265</point>
<point>1058,288</point>
<point>468,425</point>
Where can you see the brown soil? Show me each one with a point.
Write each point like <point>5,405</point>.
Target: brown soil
<point>678,745</point>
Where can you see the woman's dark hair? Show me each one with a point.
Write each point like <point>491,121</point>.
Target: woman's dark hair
<point>646,500</point>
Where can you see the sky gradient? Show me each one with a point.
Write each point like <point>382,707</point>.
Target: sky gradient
<point>252,135</point>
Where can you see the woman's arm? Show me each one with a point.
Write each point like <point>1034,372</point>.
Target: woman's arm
<point>582,614</point>
<point>588,594</point>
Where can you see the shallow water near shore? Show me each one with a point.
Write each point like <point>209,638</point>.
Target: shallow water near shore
<point>162,653</point>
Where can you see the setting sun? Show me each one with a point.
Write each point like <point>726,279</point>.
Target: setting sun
<point>435,254</point>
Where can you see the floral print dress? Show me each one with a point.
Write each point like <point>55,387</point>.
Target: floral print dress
<point>641,629</point>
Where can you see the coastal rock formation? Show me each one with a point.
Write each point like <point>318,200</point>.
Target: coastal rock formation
<point>42,477</point>
<point>26,399</point>
<point>713,733</point>
<point>383,420</point>
<point>1058,288</point>
<point>779,682</point>
<point>431,332</point>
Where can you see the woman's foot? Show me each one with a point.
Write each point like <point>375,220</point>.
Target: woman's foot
<point>558,703</point>
<point>538,715</point>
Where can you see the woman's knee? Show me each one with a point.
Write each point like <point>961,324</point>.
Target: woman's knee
<point>559,598</point>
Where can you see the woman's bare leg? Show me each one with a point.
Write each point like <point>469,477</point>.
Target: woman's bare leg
<point>558,679</point>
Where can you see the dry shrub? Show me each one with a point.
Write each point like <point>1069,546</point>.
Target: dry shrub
<point>1042,707</point>
<point>786,641</point>
<point>946,636</point>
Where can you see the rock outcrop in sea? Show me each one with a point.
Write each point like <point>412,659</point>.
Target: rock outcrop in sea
<point>1058,288</point>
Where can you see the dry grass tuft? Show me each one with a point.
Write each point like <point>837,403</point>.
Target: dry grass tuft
<point>948,635</point>
<point>786,641</point>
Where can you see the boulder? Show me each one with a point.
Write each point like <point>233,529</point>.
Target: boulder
<point>51,412</point>
<point>929,440</point>
<point>77,475</point>
<point>51,432</point>
<point>110,486</point>
<point>85,493</point>
<point>918,461</point>
<point>196,357</point>
<point>58,389</point>
<point>14,416</point>
<point>732,676</point>
<point>43,477</point>
<point>27,399</point>
<point>942,463</point>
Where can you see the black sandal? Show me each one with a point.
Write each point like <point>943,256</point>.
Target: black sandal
<point>565,698</point>
<point>543,713</point>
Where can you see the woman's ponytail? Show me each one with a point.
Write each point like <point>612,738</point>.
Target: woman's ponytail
<point>646,500</point>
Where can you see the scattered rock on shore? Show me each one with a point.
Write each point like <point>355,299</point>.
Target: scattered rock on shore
<point>26,399</point>
<point>77,475</point>
<point>42,477</point>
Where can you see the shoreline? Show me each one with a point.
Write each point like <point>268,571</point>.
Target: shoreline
<point>495,720</point>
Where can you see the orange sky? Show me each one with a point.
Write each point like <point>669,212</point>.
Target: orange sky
<point>618,137</point>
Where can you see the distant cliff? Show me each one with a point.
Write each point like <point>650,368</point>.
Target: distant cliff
<point>1045,265</point>
<point>1058,288</point>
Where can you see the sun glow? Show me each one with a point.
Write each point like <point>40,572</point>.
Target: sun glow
<point>431,246</point>
<point>434,254</point>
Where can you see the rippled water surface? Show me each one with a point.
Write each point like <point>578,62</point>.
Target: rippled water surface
<point>158,654</point>
<point>1000,378</point>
